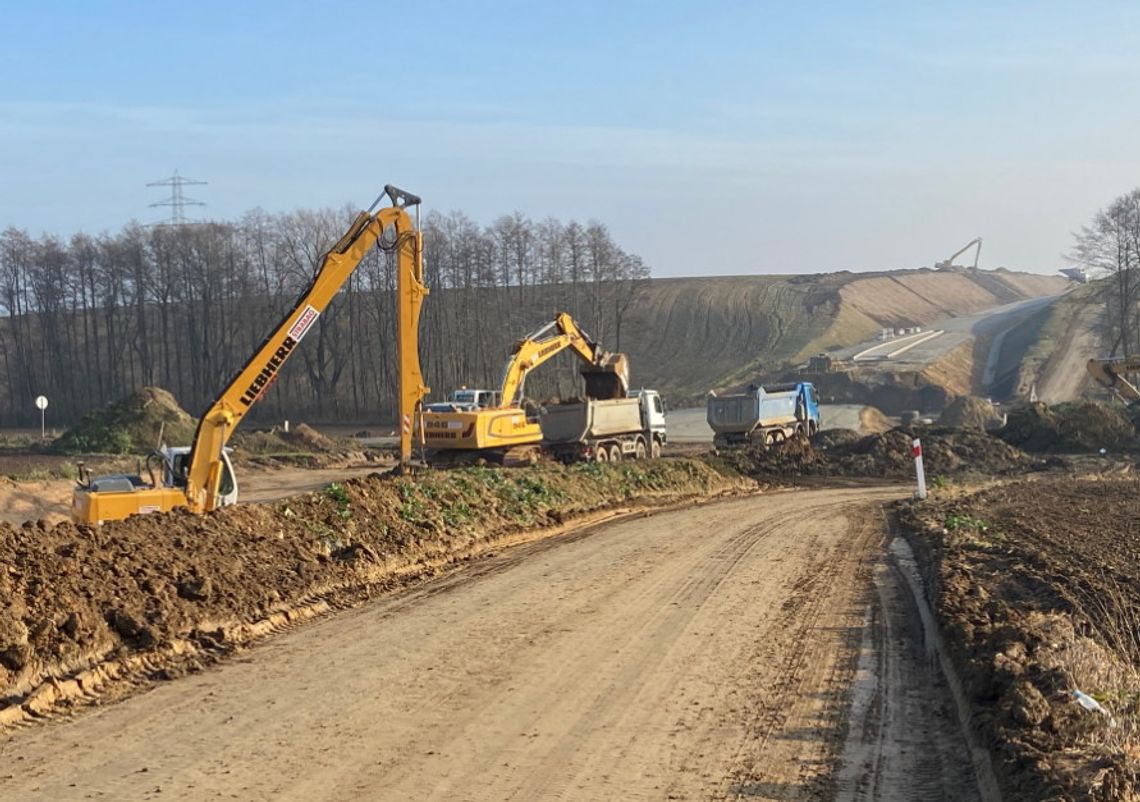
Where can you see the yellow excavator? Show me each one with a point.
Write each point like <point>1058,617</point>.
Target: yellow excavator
<point>1110,373</point>
<point>201,477</point>
<point>499,426</point>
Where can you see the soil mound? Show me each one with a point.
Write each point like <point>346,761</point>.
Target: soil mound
<point>73,596</point>
<point>1084,426</point>
<point>889,454</point>
<point>135,423</point>
<point>1028,618</point>
<point>834,438</point>
<point>969,412</point>
<point>306,437</point>
<point>873,421</point>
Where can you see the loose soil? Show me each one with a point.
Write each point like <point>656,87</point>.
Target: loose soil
<point>74,597</point>
<point>946,452</point>
<point>140,422</point>
<point>969,412</point>
<point>1036,585</point>
<point>704,653</point>
<point>1087,426</point>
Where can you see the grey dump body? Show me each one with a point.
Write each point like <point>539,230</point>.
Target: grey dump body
<point>605,429</point>
<point>762,415</point>
<point>573,423</point>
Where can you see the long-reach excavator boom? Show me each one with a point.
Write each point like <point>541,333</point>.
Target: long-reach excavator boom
<point>1110,373</point>
<point>977,255</point>
<point>197,487</point>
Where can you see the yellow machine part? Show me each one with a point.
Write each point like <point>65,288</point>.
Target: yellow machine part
<point>484,429</point>
<point>95,508</point>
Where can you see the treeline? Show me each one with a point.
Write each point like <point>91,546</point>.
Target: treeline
<point>89,319</point>
<point>1110,243</point>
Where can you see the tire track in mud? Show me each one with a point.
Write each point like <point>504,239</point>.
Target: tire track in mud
<point>696,654</point>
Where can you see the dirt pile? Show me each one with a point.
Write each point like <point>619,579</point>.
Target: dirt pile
<point>969,412</point>
<point>1076,427</point>
<point>74,597</point>
<point>842,452</point>
<point>1037,588</point>
<point>873,421</point>
<point>136,423</point>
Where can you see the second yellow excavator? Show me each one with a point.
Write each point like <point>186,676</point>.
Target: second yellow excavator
<point>498,426</point>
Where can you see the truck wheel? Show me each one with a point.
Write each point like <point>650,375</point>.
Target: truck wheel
<point>601,454</point>
<point>639,451</point>
<point>615,453</point>
<point>655,449</point>
<point>800,433</point>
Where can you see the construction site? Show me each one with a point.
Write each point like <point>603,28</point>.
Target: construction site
<point>723,402</point>
<point>726,586</point>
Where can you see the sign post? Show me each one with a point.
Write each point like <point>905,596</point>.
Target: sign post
<point>41,405</point>
<point>920,474</point>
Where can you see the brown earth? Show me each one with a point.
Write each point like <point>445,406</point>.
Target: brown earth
<point>140,422</point>
<point>158,585</point>
<point>1087,426</point>
<point>946,452</point>
<point>704,653</point>
<point>969,412</point>
<point>1035,584</point>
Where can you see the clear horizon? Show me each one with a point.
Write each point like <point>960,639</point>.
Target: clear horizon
<point>711,140</point>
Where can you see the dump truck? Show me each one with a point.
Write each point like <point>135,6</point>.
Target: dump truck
<point>605,430</point>
<point>763,415</point>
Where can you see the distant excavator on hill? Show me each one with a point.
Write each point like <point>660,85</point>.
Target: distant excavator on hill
<point>949,263</point>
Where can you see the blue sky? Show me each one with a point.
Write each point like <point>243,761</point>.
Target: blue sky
<point>713,138</point>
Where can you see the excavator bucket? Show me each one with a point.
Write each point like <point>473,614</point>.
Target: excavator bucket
<point>607,378</point>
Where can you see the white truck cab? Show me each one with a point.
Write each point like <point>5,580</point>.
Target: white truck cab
<point>466,400</point>
<point>652,412</point>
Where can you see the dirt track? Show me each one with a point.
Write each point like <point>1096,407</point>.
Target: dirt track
<point>699,654</point>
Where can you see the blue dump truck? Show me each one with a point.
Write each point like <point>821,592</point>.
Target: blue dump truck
<point>763,415</point>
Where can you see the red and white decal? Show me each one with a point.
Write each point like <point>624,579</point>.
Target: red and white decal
<point>304,323</point>
<point>407,424</point>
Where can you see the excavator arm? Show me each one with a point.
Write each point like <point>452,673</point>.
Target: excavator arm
<point>247,387</point>
<point>1110,373</point>
<point>552,339</point>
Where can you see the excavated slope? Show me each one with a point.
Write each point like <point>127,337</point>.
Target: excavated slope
<point>686,336</point>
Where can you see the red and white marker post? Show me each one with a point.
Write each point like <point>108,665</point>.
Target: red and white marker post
<point>916,450</point>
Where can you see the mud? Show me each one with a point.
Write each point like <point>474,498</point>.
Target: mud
<point>1070,428</point>
<point>72,597</point>
<point>1035,586</point>
<point>946,452</point>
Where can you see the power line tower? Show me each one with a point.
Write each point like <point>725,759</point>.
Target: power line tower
<point>177,201</point>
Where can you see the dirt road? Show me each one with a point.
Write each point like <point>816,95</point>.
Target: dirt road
<point>705,653</point>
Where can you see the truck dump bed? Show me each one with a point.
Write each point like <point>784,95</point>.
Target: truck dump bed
<point>577,421</point>
<point>742,412</point>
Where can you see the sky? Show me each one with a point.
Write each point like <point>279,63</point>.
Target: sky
<point>713,138</point>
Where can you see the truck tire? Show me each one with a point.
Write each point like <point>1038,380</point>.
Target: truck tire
<point>639,451</point>
<point>601,454</point>
<point>655,449</point>
<point>615,453</point>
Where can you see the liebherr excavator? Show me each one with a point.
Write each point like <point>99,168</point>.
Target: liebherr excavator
<point>201,477</point>
<point>494,426</point>
<point>1110,373</point>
